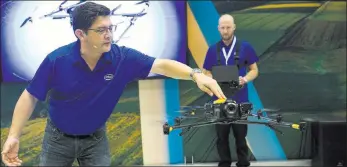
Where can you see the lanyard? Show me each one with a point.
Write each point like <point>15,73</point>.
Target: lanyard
<point>229,53</point>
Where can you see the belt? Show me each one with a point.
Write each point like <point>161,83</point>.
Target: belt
<point>69,135</point>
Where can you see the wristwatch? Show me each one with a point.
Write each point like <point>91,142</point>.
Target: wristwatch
<point>195,70</point>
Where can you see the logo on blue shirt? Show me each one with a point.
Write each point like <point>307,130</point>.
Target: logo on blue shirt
<point>108,77</point>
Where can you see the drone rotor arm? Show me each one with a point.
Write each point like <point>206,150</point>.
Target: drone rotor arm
<point>278,122</point>
<point>120,37</point>
<point>273,123</point>
<point>259,116</point>
<point>167,128</point>
<point>126,30</point>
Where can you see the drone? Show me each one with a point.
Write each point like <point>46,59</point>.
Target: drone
<point>227,111</point>
<point>67,13</point>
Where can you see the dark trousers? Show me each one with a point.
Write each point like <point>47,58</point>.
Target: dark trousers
<point>59,149</point>
<point>240,132</point>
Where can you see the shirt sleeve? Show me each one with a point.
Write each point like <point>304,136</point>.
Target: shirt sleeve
<point>251,55</point>
<point>139,64</point>
<point>42,80</point>
<point>208,62</point>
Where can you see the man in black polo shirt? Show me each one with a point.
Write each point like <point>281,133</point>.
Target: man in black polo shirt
<point>246,54</point>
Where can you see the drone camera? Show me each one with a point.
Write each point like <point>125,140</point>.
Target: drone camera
<point>235,110</point>
<point>230,110</point>
<point>227,109</point>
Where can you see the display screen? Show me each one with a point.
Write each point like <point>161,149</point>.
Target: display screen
<point>29,32</point>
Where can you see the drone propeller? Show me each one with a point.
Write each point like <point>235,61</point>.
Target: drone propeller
<point>133,17</point>
<point>192,107</point>
<point>60,16</point>
<point>187,112</point>
<point>130,14</point>
<point>139,14</point>
<point>116,8</point>
<point>294,113</point>
<point>60,6</point>
<point>186,117</point>
<point>270,110</point>
<point>178,120</point>
<point>161,121</point>
<point>29,19</point>
<point>141,2</point>
<point>167,118</point>
<point>68,9</point>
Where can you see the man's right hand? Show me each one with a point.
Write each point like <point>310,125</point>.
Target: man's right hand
<point>9,153</point>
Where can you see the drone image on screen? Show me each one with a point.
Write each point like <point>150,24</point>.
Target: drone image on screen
<point>226,111</point>
<point>63,12</point>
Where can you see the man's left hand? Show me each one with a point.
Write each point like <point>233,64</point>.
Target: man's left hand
<point>208,85</point>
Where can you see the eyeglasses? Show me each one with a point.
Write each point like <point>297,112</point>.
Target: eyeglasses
<point>102,30</point>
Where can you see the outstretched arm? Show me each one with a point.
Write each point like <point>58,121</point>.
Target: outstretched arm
<point>177,70</point>
<point>144,64</point>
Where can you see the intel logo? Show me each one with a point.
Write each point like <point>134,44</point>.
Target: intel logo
<point>108,77</point>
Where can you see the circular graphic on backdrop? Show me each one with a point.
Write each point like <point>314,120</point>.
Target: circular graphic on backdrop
<point>27,38</point>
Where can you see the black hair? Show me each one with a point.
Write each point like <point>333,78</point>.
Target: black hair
<point>83,16</point>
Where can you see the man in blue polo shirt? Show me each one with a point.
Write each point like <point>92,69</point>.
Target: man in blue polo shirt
<point>247,56</point>
<point>86,79</point>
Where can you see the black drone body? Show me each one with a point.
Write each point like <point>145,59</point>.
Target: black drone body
<point>227,112</point>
